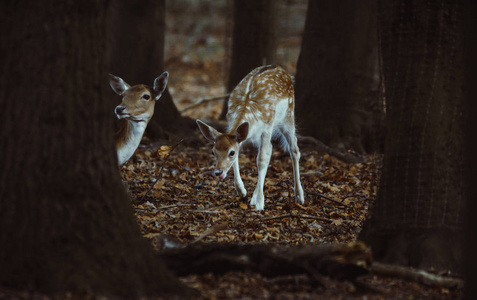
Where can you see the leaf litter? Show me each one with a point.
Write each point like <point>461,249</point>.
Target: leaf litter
<point>173,192</point>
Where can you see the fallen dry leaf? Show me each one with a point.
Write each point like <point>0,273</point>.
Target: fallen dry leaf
<point>164,151</point>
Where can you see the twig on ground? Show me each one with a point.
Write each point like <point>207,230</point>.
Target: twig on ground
<point>172,206</point>
<point>296,216</point>
<point>206,211</point>
<point>312,173</point>
<point>327,198</point>
<point>204,100</point>
<point>212,230</point>
<point>354,195</point>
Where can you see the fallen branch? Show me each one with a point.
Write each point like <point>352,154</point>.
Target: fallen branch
<point>202,101</point>
<point>339,261</point>
<point>318,262</point>
<point>348,158</point>
<point>415,275</point>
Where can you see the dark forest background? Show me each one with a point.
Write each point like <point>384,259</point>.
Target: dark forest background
<point>371,77</point>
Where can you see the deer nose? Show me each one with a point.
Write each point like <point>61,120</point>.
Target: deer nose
<point>119,110</point>
<point>218,172</point>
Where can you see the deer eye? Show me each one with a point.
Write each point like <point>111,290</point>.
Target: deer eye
<point>146,97</point>
<point>231,153</point>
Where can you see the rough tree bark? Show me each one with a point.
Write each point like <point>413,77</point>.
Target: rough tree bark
<point>338,98</point>
<point>66,224</point>
<point>254,39</point>
<point>137,39</point>
<point>418,216</point>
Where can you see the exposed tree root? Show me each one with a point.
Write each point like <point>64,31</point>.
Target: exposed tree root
<point>415,275</point>
<point>339,261</point>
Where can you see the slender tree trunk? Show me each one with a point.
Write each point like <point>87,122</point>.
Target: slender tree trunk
<point>337,80</point>
<point>254,39</point>
<point>66,224</point>
<point>137,39</point>
<point>418,216</point>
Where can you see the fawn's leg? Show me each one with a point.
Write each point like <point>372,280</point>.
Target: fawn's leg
<point>263,160</point>
<point>238,183</point>
<point>291,139</point>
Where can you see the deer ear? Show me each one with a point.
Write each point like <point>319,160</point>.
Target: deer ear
<point>160,84</point>
<point>209,132</point>
<point>241,132</point>
<point>118,85</point>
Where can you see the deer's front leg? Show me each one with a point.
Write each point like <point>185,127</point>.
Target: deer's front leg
<point>263,160</point>
<point>239,187</point>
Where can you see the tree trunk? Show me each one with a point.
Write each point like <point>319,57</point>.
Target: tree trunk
<point>470,239</point>
<point>66,224</point>
<point>137,39</point>
<point>254,39</point>
<point>418,216</point>
<point>337,81</point>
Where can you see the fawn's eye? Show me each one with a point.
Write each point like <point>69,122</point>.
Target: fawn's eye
<point>146,97</point>
<point>231,153</point>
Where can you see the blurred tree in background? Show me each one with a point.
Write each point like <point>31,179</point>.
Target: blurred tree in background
<point>254,39</point>
<point>338,99</point>
<point>137,41</point>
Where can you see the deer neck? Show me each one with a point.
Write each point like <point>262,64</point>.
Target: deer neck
<point>128,139</point>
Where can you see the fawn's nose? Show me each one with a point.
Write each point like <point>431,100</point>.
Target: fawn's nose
<point>218,172</point>
<point>119,110</point>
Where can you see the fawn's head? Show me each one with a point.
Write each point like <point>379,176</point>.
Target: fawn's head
<point>226,146</point>
<point>137,101</point>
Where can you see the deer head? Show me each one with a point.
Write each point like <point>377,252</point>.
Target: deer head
<point>226,146</point>
<point>137,101</point>
<point>137,109</point>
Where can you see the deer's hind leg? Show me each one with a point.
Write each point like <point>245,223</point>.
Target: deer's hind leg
<point>289,134</point>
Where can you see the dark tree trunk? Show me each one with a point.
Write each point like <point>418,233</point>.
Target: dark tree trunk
<point>137,39</point>
<point>66,224</point>
<point>337,80</point>
<point>254,39</point>
<point>470,238</point>
<point>418,216</point>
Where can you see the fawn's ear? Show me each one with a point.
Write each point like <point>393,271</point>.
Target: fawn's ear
<point>160,84</point>
<point>242,132</point>
<point>209,132</point>
<point>118,85</point>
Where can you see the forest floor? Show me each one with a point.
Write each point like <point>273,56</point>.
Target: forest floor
<point>174,192</point>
